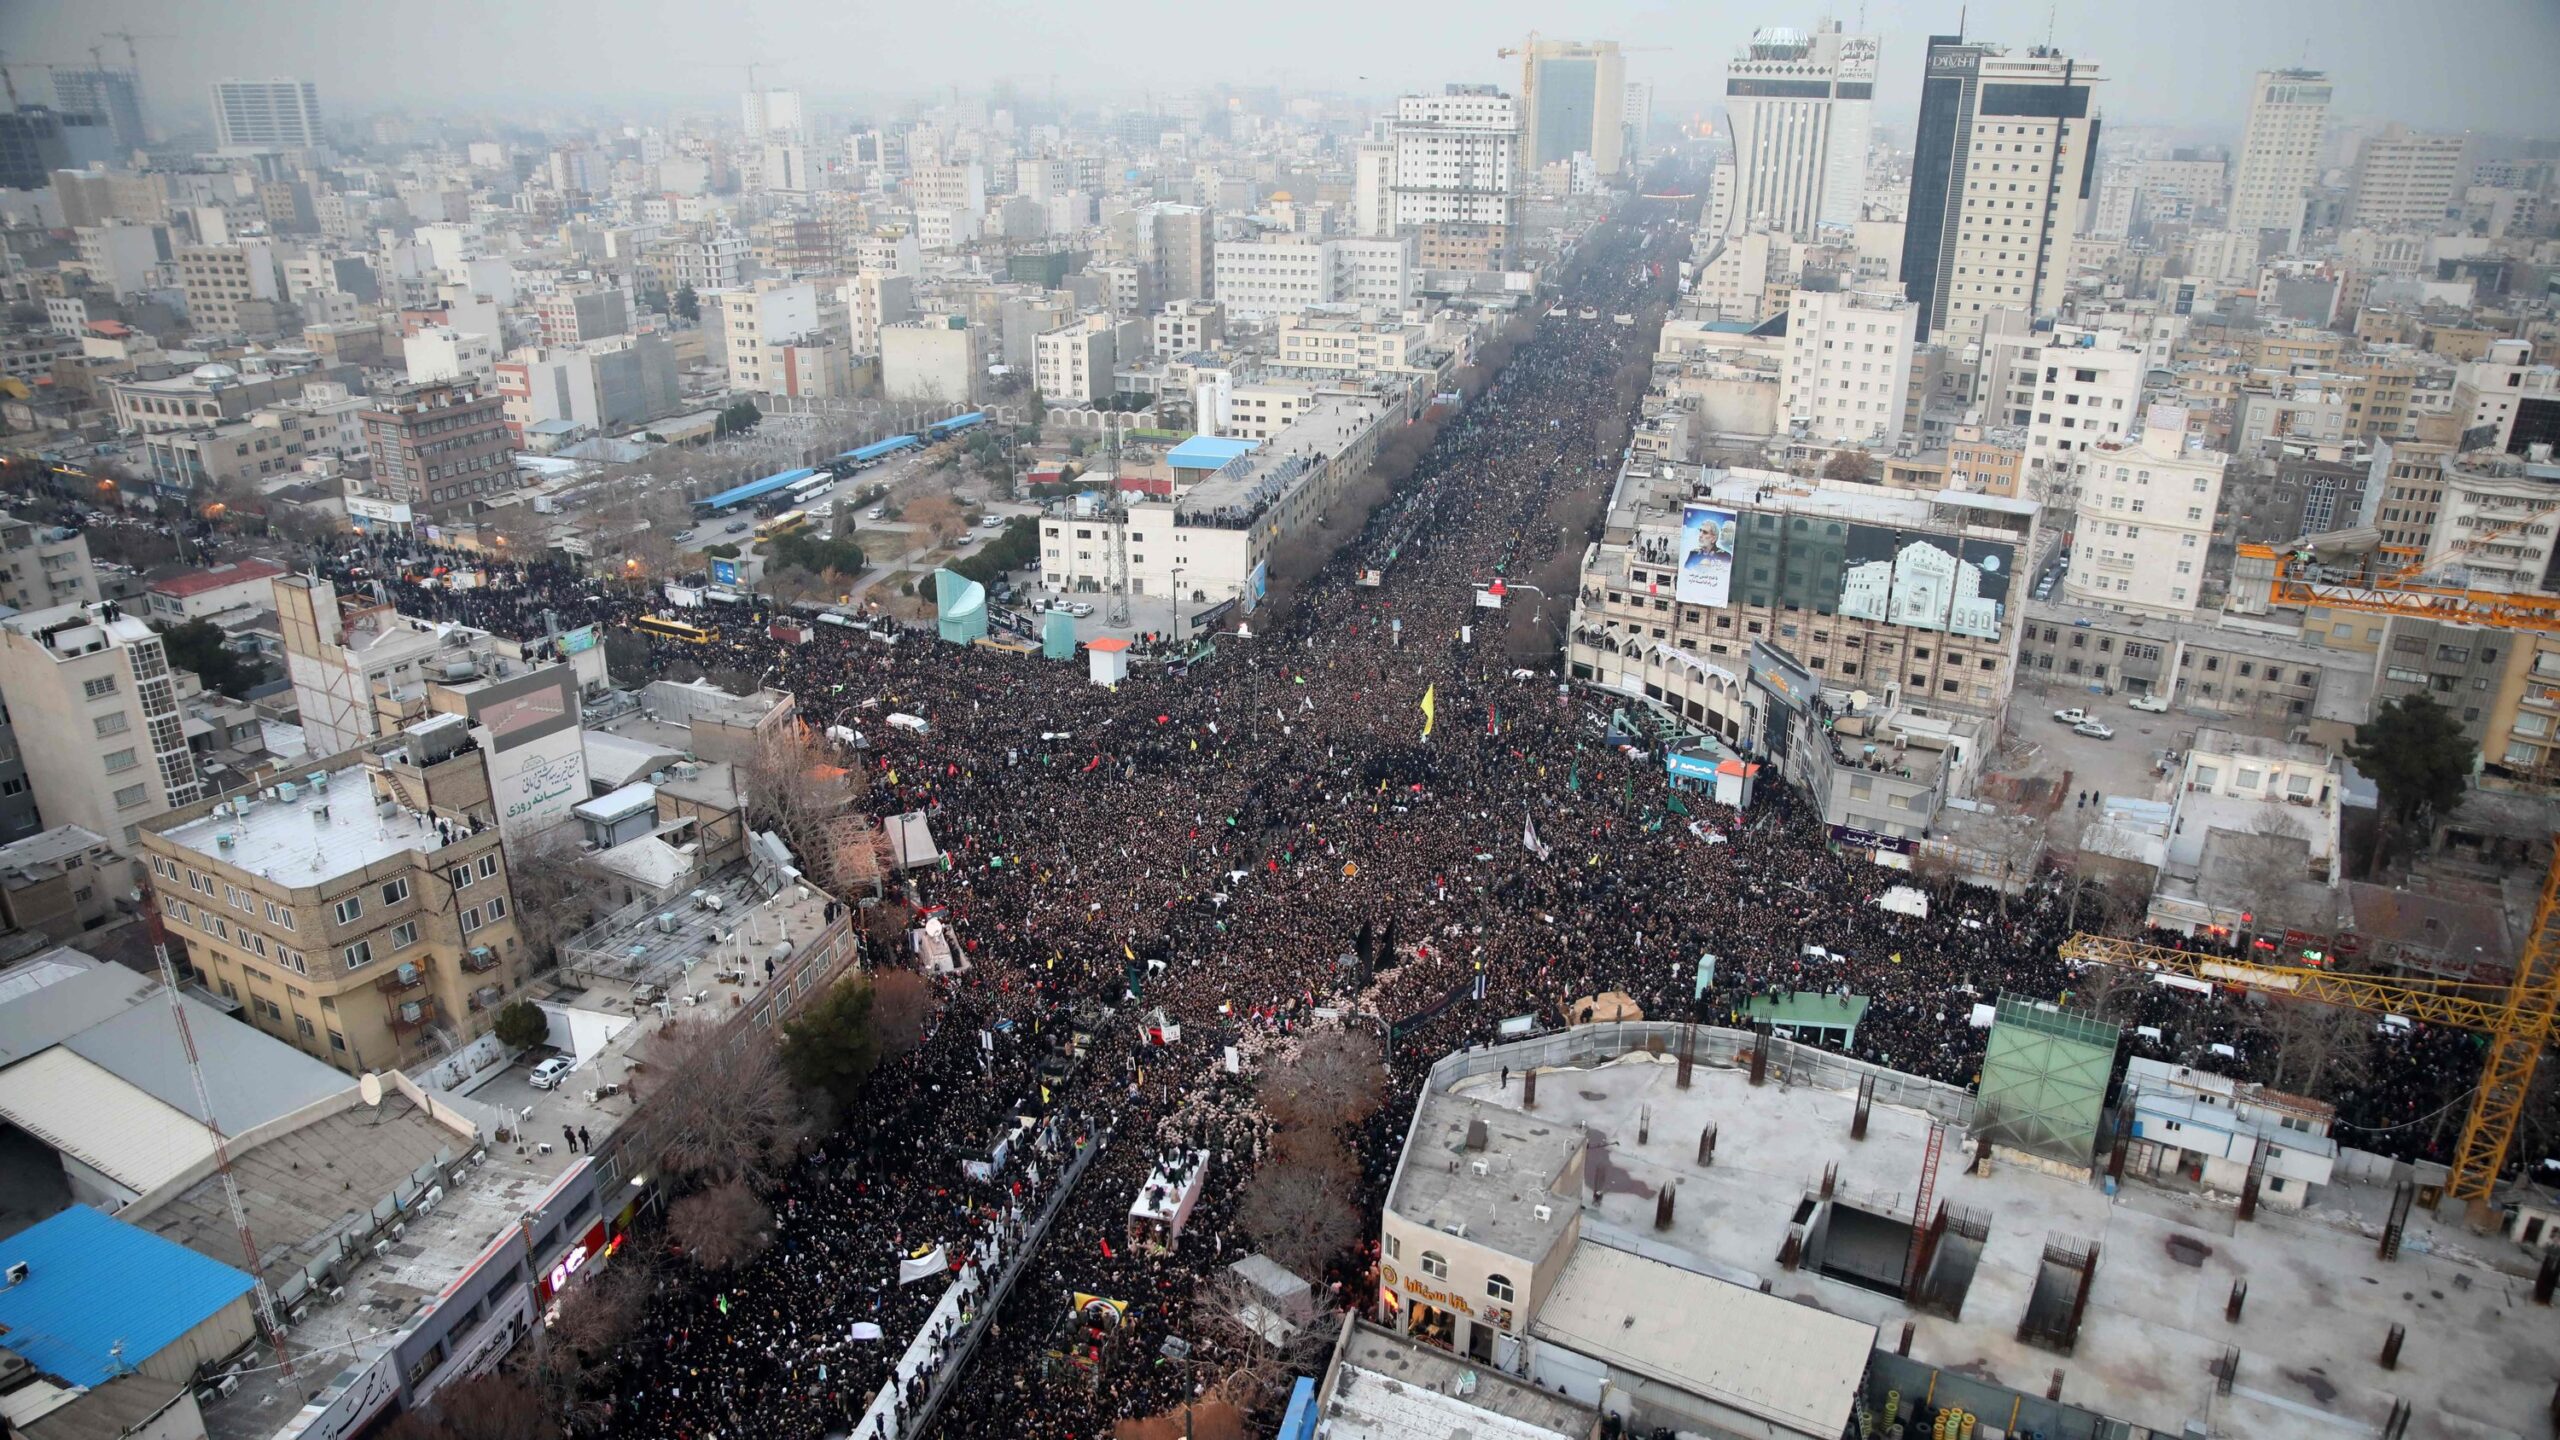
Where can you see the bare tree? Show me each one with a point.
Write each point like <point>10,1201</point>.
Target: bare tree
<point>1302,1205</point>
<point>720,1107</point>
<point>1336,1079</point>
<point>484,1407</point>
<point>554,892</point>
<point>1848,466</point>
<point>600,1310</point>
<point>2271,858</point>
<point>789,585</point>
<point>721,1226</point>
<point>936,516</point>
<point>2315,1044</point>
<point>901,1002</point>
<point>794,787</point>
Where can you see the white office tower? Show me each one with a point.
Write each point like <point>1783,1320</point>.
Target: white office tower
<point>252,115</point>
<point>773,113</point>
<point>1799,107</point>
<point>1456,176</point>
<point>2280,151</point>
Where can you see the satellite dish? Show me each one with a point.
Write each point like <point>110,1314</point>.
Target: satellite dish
<point>1857,699</point>
<point>370,1087</point>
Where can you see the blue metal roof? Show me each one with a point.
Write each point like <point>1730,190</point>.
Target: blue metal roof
<point>1208,452</point>
<point>94,1281</point>
<point>878,448</point>
<point>740,495</point>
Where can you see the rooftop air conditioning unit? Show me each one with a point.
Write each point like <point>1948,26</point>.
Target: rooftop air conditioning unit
<point>1544,1212</point>
<point>666,922</point>
<point>1483,1169</point>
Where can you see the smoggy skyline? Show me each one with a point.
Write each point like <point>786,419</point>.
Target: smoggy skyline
<point>2464,64</point>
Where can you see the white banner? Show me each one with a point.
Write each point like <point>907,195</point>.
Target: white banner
<point>924,1267</point>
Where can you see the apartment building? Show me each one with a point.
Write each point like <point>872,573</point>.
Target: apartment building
<point>361,913</point>
<point>95,710</point>
<point>1905,595</point>
<point>1074,362</point>
<point>2511,402</point>
<point>873,298</point>
<point>1352,346</point>
<point>1573,96</point>
<point>42,566</point>
<point>437,448</point>
<point>1189,327</point>
<point>1848,366</point>
<point>225,285</point>
<point>932,358</point>
<point>2145,530</point>
<point>570,316</point>
<point>2082,389</point>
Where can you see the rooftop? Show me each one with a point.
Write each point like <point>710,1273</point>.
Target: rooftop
<point>42,855</point>
<point>197,582</point>
<point>1521,1157</point>
<point>2154,1324</point>
<point>1392,1388</point>
<point>324,830</point>
<point>102,1296</point>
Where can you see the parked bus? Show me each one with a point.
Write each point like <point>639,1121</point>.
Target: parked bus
<point>811,488</point>
<point>665,627</point>
<point>782,524</point>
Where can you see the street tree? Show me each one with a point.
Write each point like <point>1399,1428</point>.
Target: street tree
<point>521,1024</point>
<point>834,1044</point>
<point>717,1105</point>
<point>2414,751</point>
<point>721,1227</point>
<point>495,1406</point>
<point>1302,1205</point>
<point>1337,1079</point>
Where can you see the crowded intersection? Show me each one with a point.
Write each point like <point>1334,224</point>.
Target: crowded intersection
<point>1212,846</point>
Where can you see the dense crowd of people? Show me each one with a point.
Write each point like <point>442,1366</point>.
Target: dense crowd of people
<point>1213,845</point>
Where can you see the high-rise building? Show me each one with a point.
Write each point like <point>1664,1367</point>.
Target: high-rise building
<point>266,115</point>
<point>2147,508</point>
<point>1185,244</point>
<point>1455,172</point>
<point>2280,151</point>
<point>2406,179</point>
<point>772,113</point>
<point>1573,99</point>
<point>1639,118</point>
<point>36,142</point>
<point>95,712</point>
<point>114,96</point>
<point>1798,108</point>
<point>2004,159</point>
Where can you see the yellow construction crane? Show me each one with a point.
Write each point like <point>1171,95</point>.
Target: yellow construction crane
<point>2519,1019</point>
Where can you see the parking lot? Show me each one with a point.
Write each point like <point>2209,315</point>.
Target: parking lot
<point>2124,765</point>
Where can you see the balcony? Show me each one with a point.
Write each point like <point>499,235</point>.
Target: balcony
<point>402,979</point>
<point>408,1017</point>
<point>479,958</point>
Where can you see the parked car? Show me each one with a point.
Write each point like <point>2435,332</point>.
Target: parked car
<point>2073,716</point>
<point>875,512</point>
<point>738,526</point>
<point>2152,704</point>
<point>2093,730</point>
<point>1080,610</point>
<point>550,1072</point>
<point>991,522</point>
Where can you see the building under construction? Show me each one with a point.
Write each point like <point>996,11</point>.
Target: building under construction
<point>1721,1233</point>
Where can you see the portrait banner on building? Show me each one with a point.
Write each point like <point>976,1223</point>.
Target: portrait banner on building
<point>1706,556</point>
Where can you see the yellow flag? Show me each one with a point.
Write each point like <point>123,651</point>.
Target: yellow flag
<point>1125,950</point>
<point>1430,707</point>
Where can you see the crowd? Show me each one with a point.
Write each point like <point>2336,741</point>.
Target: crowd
<point>1214,846</point>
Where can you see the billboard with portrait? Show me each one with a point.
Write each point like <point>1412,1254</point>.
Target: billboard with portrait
<point>1706,556</point>
<point>1926,581</point>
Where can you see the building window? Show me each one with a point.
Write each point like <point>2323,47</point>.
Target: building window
<point>1435,1264</point>
<point>358,955</point>
<point>404,934</point>
<point>470,919</point>
<point>350,909</point>
<point>497,908</point>
<point>115,724</point>
<point>131,795</point>
<point>488,865</point>
<point>395,892</point>
<point>461,877</point>
<point>98,688</point>
<point>1498,1287</point>
<point>119,760</point>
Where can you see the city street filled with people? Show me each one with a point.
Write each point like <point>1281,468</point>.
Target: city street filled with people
<point>1213,844</point>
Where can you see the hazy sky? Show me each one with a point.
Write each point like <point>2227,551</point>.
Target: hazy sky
<point>2484,64</point>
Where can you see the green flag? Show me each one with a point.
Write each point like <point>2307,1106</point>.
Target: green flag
<point>1676,807</point>
<point>1573,782</point>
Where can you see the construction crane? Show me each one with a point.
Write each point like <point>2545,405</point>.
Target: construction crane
<point>264,1299</point>
<point>2517,1019</point>
<point>133,56</point>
